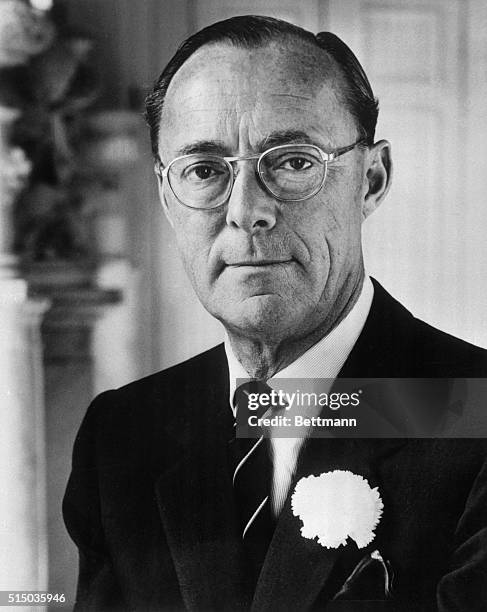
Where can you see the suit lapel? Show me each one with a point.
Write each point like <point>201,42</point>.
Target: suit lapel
<point>298,571</point>
<point>295,569</point>
<point>382,350</point>
<point>195,500</point>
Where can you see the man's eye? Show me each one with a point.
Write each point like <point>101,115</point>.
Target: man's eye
<point>296,164</point>
<point>200,172</point>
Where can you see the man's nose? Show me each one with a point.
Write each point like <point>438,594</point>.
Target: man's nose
<point>250,207</point>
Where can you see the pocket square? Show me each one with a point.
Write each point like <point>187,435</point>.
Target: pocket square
<point>371,579</point>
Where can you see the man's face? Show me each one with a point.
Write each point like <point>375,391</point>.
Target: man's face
<point>267,269</point>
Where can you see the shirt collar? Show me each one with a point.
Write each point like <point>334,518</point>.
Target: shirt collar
<point>325,358</point>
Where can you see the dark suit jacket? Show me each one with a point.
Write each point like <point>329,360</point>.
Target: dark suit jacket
<point>150,506</point>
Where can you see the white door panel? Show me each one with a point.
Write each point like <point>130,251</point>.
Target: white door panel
<point>420,242</point>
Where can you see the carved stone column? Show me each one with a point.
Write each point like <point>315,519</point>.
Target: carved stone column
<point>70,369</point>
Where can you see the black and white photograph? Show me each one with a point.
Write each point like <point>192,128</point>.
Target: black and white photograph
<point>243,305</point>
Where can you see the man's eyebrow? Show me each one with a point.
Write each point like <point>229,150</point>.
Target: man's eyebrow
<point>283,137</point>
<point>214,147</point>
<point>217,147</point>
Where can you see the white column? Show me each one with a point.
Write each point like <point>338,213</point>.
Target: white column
<point>23,528</point>
<point>116,359</point>
<point>23,546</point>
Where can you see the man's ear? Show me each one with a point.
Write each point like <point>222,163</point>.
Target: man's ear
<point>378,176</point>
<point>162,197</point>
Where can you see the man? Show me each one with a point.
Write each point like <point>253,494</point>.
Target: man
<point>263,136</point>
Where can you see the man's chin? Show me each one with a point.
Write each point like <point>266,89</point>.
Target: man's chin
<point>262,316</point>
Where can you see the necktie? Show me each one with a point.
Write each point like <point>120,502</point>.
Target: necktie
<point>252,477</point>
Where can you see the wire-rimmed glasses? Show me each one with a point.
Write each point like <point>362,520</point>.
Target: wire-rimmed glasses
<point>290,173</point>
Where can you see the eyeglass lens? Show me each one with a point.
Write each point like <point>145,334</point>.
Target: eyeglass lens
<point>289,173</point>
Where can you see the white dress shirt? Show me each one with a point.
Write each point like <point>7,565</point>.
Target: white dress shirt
<point>323,360</point>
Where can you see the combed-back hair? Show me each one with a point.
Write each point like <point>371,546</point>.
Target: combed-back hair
<point>253,31</point>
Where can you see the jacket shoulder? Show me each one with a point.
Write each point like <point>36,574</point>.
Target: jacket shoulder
<point>130,423</point>
<point>196,369</point>
<point>159,393</point>
<point>465,358</point>
<point>406,346</point>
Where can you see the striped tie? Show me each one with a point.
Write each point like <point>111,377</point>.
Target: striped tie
<point>252,480</point>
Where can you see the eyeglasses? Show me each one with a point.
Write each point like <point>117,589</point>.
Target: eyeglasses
<point>291,173</point>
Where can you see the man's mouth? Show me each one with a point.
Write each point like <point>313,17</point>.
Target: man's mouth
<point>256,263</point>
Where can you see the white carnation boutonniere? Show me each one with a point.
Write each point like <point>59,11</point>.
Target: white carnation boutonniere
<point>336,506</point>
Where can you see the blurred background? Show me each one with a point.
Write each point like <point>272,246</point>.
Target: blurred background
<point>92,294</point>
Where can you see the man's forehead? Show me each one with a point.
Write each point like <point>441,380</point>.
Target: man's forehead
<point>223,84</point>
<point>290,57</point>
<point>286,65</point>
